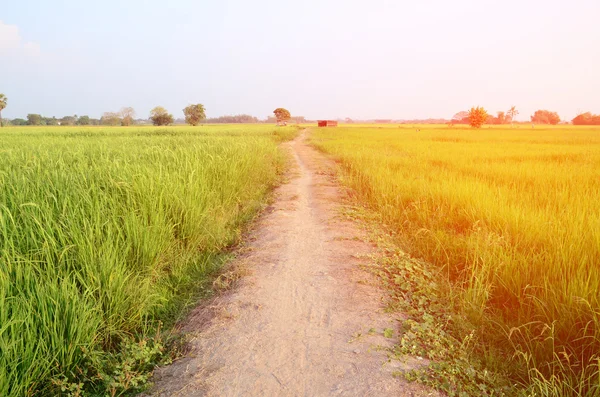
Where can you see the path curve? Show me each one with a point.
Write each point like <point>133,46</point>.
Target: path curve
<point>298,325</point>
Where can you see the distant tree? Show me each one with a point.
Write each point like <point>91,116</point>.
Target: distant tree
<point>545,117</point>
<point>3,103</point>
<point>194,114</point>
<point>68,120</point>
<point>94,121</point>
<point>349,120</point>
<point>459,118</point>
<point>51,120</point>
<point>110,118</point>
<point>582,119</point>
<point>127,116</point>
<point>34,119</point>
<point>160,116</point>
<point>299,119</point>
<point>512,113</point>
<point>19,122</point>
<point>586,118</point>
<point>477,117</point>
<point>237,119</point>
<point>83,120</point>
<point>282,115</point>
<point>501,118</point>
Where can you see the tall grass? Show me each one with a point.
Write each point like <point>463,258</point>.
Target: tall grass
<point>104,232</point>
<point>513,218</point>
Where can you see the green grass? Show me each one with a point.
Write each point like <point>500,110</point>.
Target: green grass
<point>512,217</point>
<point>106,232</point>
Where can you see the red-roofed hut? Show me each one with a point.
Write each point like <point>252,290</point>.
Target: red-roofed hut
<point>327,123</point>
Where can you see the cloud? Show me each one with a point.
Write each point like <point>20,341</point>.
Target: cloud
<point>11,42</point>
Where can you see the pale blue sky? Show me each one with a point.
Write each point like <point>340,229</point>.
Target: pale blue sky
<point>318,58</point>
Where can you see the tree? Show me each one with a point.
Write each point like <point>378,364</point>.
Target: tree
<point>19,122</point>
<point>68,120</point>
<point>240,118</point>
<point>51,121</point>
<point>512,113</point>
<point>586,118</point>
<point>34,119</point>
<point>545,117</point>
<point>194,114</point>
<point>477,117</point>
<point>127,116</point>
<point>501,119</point>
<point>110,118</point>
<point>83,120</point>
<point>3,103</point>
<point>459,118</point>
<point>160,116</point>
<point>282,115</point>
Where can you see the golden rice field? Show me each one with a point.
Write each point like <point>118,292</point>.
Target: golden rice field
<point>107,232</point>
<point>511,216</point>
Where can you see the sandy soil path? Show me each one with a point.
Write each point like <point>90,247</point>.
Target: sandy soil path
<point>291,327</point>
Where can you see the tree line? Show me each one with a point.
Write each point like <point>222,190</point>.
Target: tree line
<point>193,115</point>
<point>196,114</point>
<point>478,116</point>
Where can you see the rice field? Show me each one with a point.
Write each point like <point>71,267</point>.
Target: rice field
<point>106,232</point>
<point>511,217</point>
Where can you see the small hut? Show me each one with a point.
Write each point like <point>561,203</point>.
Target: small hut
<point>327,123</point>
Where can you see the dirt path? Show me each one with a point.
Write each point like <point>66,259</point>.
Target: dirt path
<point>291,328</point>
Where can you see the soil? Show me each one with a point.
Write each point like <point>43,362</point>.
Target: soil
<point>304,318</point>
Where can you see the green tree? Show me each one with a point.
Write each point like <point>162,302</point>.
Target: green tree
<point>34,119</point>
<point>160,116</point>
<point>3,103</point>
<point>19,122</point>
<point>83,120</point>
<point>240,118</point>
<point>282,115</point>
<point>477,117</point>
<point>68,120</point>
<point>194,114</point>
<point>127,116</point>
<point>51,121</point>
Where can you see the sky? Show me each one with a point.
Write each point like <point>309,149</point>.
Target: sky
<point>318,58</point>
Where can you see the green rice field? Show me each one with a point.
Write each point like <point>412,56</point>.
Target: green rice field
<point>107,232</point>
